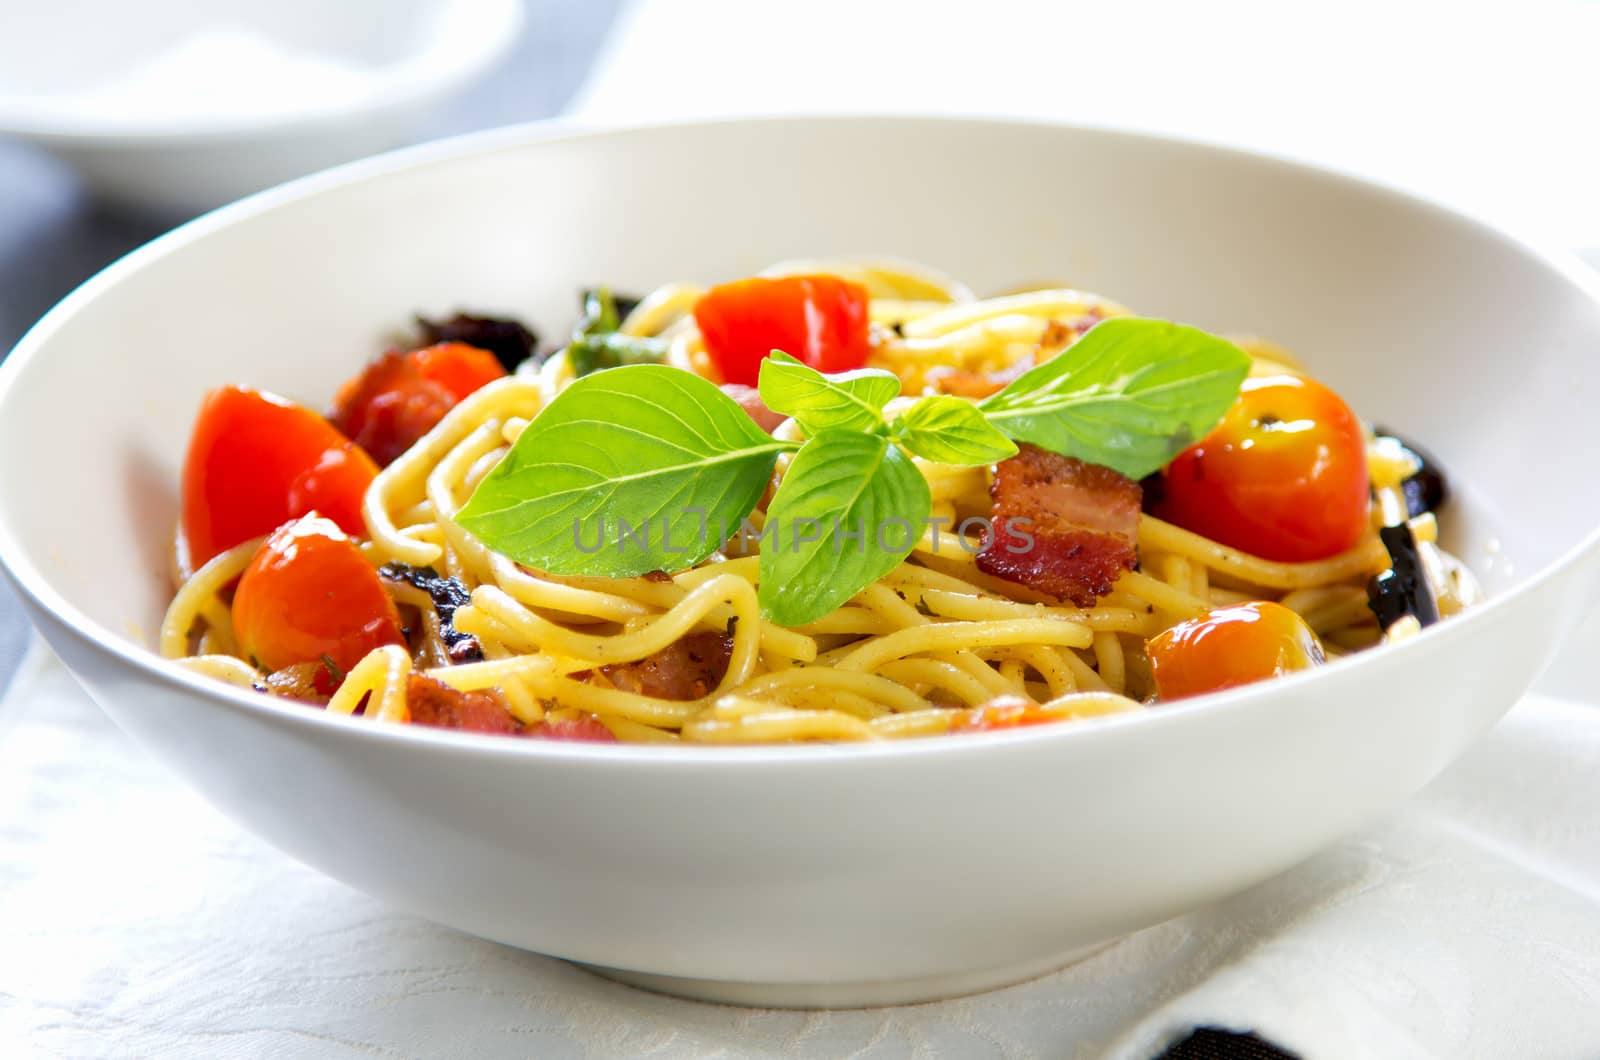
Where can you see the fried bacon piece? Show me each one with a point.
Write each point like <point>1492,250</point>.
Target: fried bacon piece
<point>688,668</point>
<point>432,702</point>
<point>1083,521</point>
<point>749,399</point>
<point>975,385</point>
<point>308,682</point>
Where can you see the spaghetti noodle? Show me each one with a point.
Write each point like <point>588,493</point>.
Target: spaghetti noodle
<point>914,654</point>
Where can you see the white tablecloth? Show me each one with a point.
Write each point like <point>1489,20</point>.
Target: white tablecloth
<point>135,921</point>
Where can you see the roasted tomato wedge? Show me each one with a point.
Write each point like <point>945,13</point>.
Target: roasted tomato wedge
<point>257,460</point>
<point>310,595</point>
<point>1229,646</point>
<point>1283,476</point>
<point>1006,712</point>
<point>401,396</point>
<point>821,320</point>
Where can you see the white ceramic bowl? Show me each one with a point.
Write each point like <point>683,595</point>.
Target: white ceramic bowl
<point>817,875</point>
<point>175,106</point>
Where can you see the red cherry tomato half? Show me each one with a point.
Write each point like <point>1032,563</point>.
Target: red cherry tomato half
<point>459,368</point>
<point>401,396</point>
<point>310,594</point>
<point>1283,476</point>
<point>1006,712</point>
<point>256,460</point>
<point>820,320</point>
<point>1229,646</point>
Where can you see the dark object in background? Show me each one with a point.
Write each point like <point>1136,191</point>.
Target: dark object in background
<point>1214,1043</point>
<point>509,340</point>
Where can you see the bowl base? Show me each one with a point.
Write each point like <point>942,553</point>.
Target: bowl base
<point>867,994</point>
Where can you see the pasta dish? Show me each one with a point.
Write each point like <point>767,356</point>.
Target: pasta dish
<point>841,500</point>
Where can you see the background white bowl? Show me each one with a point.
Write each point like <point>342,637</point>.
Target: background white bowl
<point>64,63</point>
<point>817,875</point>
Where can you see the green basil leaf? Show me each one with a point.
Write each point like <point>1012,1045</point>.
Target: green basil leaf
<point>1131,394</point>
<point>848,511</point>
<point>851,401</point>
<point>649,446</point>
<point>950,430</point>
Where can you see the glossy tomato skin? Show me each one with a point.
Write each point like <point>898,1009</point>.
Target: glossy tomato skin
<point>1230,646</point>
<point>458,368</point>
<point>308,594</point>
<point>1283,476</point>
<point>1006,712</point>
<point>256,460</point>
<point>820,320</point>
<point>399,397</point>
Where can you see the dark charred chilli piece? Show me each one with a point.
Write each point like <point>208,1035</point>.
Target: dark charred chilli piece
<point>1403,589</point>
<point>447,594</point>
<point>1427,490</point>
<point>509,341</point>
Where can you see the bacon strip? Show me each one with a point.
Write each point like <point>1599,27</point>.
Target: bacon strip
<point>749,399</point>
<point>435,703</point>
<point>309,682</point>
<point>1083,520</point>
<point>688,668</point>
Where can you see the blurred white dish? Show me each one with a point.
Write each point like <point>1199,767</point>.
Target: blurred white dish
<point>176,106</point>
<point>839,874</point>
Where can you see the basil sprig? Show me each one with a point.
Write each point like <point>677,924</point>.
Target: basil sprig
<point>850,508</point>
<point>1131,394</point>
<point>647,453</point>
<point>646,467</point>
<point>851,401</point>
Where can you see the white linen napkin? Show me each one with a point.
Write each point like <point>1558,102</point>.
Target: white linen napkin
<point>135,921</point>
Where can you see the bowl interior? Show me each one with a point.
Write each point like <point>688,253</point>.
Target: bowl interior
<point>1433,326</point>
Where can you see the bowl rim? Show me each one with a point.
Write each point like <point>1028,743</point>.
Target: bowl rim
<point>404,83</point>
<point>36,589</point>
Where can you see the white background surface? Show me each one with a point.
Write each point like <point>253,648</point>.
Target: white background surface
<point>1487,106</point>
